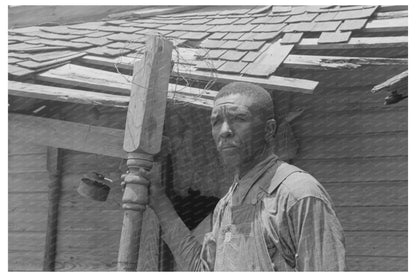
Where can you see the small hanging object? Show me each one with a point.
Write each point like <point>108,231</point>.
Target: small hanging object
<point>393,98</point>
<point>94,186</point>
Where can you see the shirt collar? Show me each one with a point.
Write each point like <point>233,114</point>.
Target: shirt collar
<point>254,174</point>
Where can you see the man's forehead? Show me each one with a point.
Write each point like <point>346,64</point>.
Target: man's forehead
<point>235,100</point>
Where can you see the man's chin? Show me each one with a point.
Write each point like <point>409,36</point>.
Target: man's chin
<point>229,160</point>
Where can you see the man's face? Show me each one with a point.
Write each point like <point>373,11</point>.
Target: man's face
<point>237,129</point>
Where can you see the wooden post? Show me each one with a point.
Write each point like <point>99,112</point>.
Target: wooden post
<point>143,138</point>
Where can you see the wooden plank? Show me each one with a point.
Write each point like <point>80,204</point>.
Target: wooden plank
<point>391,14</point>
<point>27,221</point>
<point>26,241</point>
<point>67,95</point>
<point>291,38</point>
<point>69,241</point>
<point>351,123</point>
<point>81,220</point>
<point>368,145</point>
<point>338,62</point>
<point>28,182</point>
<point>373,218</point>
<point>30,201</point>
<point>38,65</point>
<point>66,135</point>
<point>387,25</point>
<point>356,42</point>
<point>334,37</point>
<point>269,60</point>
<point>365,194</point>
<point>25,260</point>
<point>366,263</point>
<point>357,170</point>
<point>97,260</point>
<point>376,244</point>
<point>27,163</point>
<point>16,147</point>
<point>352,24</point>
<point>273,82</point>
<point>18,71</point>
<point>392,83</point>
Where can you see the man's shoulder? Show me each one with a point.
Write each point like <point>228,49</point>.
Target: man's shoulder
<point>298,185</point>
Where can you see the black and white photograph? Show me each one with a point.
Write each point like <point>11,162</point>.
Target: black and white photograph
<point>161,138</point>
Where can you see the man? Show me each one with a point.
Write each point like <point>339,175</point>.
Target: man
<point>275,217</point>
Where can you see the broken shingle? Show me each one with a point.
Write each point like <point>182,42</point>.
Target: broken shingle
<point>232,67</point>
<point>353,24</point>
<point>251,45</point>
<point>334,37</point>
<point>291,38</point>
<point>233,55</point>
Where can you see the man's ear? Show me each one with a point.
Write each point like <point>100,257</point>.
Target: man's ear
<point>270,129</point>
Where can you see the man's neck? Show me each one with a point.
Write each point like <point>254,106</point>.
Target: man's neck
<point>242,170</point>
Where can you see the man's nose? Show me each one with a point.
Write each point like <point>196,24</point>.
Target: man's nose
<point>225,130</point>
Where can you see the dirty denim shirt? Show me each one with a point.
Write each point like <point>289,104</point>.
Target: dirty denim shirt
<point>276,223</point>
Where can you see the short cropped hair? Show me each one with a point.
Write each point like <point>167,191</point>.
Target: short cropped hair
<point>263,101</point>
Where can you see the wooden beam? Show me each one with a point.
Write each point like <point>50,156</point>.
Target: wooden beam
<point>273,82</point>
<point>334,62</point>
<point>96,79</point>
<point>392,83</point>
<point>67,95</point>
<point>355,42</point>
<point>67,135</point>
<point>387,25</point>
<point>186,71</point>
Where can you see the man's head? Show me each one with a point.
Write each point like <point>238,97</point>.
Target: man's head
<point>243,124</point>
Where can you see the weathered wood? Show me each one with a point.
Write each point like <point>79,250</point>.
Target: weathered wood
<point>373,218</point>
<point>334,62</point>
<point>66,135</point>
<point>27,163</point>
<point>273,82</point>
<point>382,193</point>
<point>26,241</point>
<point>356,42</point>
<point>376,243</point>
<point>67,95</point>
<point>366,263</point>
<point>25,260</point>
<point>392,83</point>
<point>28,181</point>
<point>142,139</point>
<point>357,170</point>
<point>387,25</point>
<point>92,220</point>
<point>27,221</point>
<point>54,168</point>
<point>86,261</point>
<point>349,123</point>
<point>368,145</point>
<point>38,65</point>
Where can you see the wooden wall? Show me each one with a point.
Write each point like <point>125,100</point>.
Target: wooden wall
<point>357,148</point>
<point>28,205</point>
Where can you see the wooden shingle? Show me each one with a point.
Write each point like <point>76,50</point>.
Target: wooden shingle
<point>277,19</point>
<point>211,43</point>
<point>97,34</point>
<point>209,64</point>
<point>291,38</point>
<point>243,21</point>
<point>38,65</point>
<point>230,44</point>
<point>47,35</point>
<point>251,56</point>
<point>176,34</point>
<point>326,16</point>
<point>325,26</point>
<point>269,60</point>
<point>126,45</point>
<point>194,35</point>
<point>217,35</point>
<point>248,36</point>
<point>215,53</point>
<point>63,43</point>
<point>266,36</point>
<point>107,52</point>
<point>363,13</point>
<point>251,45</point>
<point>197,21</point>
<point>233,55</point>
<point>334,37</point>
<point>222,21</point>
<point>118,29</point>
<point>268,28</point>
<point>281,9</point>
<point>127,37</point>
<point>299,27</point>
<point>232,67</point>
<point>301,17</point>
<point>94,41</point>
<point>42,57</point>
<point>64,30</point>
<point>233,36</point>
<point>353,24</point>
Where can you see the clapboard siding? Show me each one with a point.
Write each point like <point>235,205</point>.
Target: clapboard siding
<point>358,149</point>
<point>27,205</point>
<point>88,231</point>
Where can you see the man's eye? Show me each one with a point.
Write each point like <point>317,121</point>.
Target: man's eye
<point>239,118</point>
